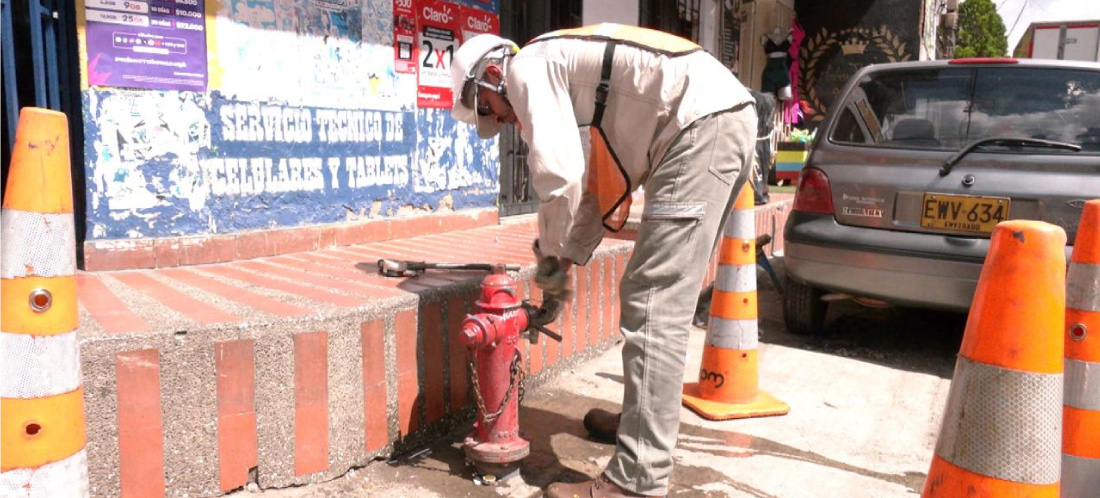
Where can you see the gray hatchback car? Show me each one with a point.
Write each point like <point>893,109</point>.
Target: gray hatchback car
<point>917,162</point>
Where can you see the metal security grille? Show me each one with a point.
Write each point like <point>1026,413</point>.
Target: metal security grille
<point>517,196</point>
<point>30,61</point>
<point>40,68</point>
<point>521,21</point>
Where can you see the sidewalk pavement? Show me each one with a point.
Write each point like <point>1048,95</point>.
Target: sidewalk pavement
<point>865,412</point>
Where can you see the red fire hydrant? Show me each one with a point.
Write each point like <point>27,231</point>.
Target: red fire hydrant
<point>495,446</point>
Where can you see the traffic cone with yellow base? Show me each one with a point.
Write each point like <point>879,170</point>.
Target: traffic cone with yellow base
<point>728,386</point>
<point>1002,427</point>
<point>42,432</point>
<point>1081,413</point>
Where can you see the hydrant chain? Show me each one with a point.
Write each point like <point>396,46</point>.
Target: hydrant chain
<point>516,373</point>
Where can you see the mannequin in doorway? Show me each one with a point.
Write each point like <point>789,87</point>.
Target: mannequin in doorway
<point>776,78</point>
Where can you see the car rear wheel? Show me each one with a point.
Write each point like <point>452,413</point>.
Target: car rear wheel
<point>803,309</point>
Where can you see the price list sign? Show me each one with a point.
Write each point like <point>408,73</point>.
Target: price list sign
<point>157,44</point>
<point>438,38</point>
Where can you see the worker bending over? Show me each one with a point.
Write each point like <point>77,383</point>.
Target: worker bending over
<point>663,114</point>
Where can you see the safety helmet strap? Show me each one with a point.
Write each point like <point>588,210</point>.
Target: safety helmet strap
<point>477,71</point>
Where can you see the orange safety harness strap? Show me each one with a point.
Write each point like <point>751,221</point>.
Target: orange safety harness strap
<point>614,200</point>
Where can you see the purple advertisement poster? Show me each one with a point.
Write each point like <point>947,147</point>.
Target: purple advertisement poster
<point>158,44</point>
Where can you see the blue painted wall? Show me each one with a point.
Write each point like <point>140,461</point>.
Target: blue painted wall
<point>297,129</point>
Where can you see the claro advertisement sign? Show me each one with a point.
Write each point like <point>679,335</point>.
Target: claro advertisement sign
<point>426,35</point>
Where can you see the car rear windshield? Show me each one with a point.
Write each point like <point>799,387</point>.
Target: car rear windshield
<point>946,108</point>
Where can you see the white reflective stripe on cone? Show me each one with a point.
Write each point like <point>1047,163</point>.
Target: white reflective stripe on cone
<point>39,366</point>
<point>1082,284</point>
<point>741,225</point>
<point>999,423</point>
<point>1080,476</point>
<point>66,478</point>
<point>732,334</point>
<point>735,278</point>
<point>1082,385</point>
<point>37,244</point>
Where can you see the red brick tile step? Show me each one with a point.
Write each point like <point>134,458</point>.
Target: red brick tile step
<point>294,368</point>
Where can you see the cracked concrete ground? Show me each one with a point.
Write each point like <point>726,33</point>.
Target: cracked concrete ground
<point>866,401</point>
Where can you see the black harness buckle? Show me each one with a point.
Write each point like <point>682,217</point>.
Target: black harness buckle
<point>602,91</point>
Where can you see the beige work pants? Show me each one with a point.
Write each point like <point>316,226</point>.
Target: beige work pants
<point>688,197</point>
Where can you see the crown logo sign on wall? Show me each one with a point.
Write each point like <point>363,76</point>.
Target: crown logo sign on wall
<point>817,57</point>
<point>854,45</point>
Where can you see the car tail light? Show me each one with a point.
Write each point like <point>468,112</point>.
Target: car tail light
<point>813,194</point>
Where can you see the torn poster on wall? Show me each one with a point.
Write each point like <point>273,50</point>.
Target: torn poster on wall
<point>142,169</point>
<point>181,163</point>
<point>159,44</point>
<point>331,53</point>
<point>450,156</point>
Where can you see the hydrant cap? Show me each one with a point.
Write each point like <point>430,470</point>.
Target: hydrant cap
<point>498,293</point>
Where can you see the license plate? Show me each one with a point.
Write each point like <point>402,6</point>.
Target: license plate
<point>963,213</point>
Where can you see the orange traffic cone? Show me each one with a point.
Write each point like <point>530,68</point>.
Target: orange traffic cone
<point>1081,413</point>
<point>1002,426</point>
<point>728,377</point>
<point>41,396</point>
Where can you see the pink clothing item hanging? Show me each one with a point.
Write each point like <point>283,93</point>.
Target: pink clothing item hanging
<point>792,111</point>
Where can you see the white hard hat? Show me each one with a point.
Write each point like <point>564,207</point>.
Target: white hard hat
<point>466,72</point>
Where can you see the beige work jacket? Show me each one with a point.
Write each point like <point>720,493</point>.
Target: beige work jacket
<point>551,85</point>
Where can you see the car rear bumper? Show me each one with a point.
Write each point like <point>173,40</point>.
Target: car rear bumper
<point>895,279</point>
<point>910,269</point>
<point>905,268</point>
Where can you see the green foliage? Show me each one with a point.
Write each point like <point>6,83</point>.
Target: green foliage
<point>981,31</point>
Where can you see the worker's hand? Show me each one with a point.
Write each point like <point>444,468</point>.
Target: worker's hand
<point>552,275</point>
<point>547,313</point>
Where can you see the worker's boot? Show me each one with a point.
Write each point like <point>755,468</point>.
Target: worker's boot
<point>602,425</point>
<point>601,487</point>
